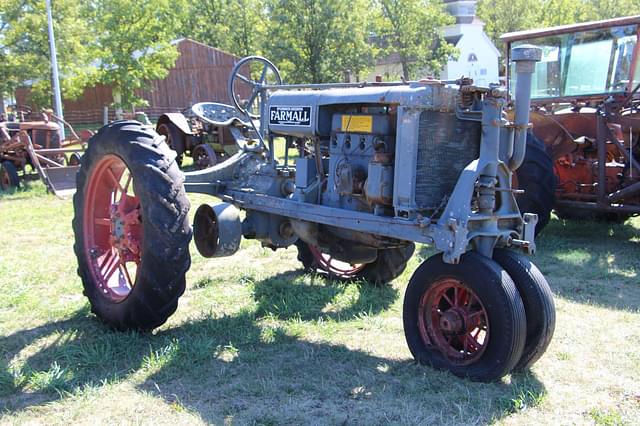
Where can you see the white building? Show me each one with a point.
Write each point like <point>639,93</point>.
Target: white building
<point>478,56</point>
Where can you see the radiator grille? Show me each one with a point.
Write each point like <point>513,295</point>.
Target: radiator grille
<point>446,146</point>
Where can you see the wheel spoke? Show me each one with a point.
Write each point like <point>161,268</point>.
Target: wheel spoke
<point>126,273</point>
<point>114,179</point>
<point>113,267</point>
<point>245,79</point>
<point>263,76</point>
<point>475,314</point>
<point>251,99</point>
<point>125,190</point>
<point>102,221</point>
<point>444,295</point>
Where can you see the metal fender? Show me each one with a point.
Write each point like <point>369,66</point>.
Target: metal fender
<point>176,118</point>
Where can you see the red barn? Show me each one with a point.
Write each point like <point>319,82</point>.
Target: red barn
<point>200,74</point>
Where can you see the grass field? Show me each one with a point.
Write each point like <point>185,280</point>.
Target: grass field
<point>256,341</point>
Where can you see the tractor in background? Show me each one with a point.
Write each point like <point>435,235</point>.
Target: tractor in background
<point>207,142</point>
<point>35,141</point>
<point>586,121</point>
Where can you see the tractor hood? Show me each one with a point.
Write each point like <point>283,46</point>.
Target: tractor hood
<point>308,113</point>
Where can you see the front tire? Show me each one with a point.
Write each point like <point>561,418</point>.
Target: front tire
<point>8,176</point>
<point>538,304</point>
<point>131,227</point>
<point>466,318</point>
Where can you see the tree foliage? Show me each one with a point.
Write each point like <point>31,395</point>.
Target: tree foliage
<point>235,26</point>
<point>133,38</point>
<point>412,29</point>
<point>502,16</point>
<point>24,48</point>
<point>318,41</point>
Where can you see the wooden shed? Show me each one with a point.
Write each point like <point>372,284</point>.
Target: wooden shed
<point>200,74</point>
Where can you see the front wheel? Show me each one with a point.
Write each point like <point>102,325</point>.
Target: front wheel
<point>8,176</point>
<point>466,318</point>
<point>538,304</point>
<point>131,227</point>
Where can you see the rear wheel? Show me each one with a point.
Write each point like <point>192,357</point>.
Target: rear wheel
<point>538,304</point>
<point>536,177</point>
<point>466,318</point>
<point>8,176</point>
<point>131,227</point>
<point>389,264</point>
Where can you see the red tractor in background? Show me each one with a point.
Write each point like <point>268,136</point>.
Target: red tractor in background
<point>585,101</point>
<point>35,141</point>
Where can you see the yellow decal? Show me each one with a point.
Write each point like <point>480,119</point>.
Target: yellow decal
<point>357,123</point>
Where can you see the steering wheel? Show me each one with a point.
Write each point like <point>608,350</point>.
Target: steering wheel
<point>23,109</point>
<point>244,89</point>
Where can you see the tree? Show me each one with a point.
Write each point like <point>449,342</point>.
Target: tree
<point>318,41</point>
<point>133,38</point>
<point>503,16</point>
<point>412,29</point>
<point>605,9</point>
<point>235,26</point>
<point>24,48</point>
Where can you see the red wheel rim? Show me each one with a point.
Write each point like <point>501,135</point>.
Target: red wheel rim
<point>452,318</point>
<point>112,228</point>
<point>333,266</point>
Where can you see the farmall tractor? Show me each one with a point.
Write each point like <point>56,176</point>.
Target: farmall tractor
<point>381,166</point>
<point>586,121</point>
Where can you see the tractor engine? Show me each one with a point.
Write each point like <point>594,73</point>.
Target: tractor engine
<point>351,152</point>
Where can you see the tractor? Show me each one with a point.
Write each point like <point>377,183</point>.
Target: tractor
<point>586,121</point>
<point>37,143</point>
<point>207,142</point>
<point>380,166</point>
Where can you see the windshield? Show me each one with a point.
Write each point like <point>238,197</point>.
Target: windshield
<point>584,63</point>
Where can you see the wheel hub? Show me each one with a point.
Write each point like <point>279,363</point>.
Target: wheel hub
<point>452,322</point>
<point>125,236</point>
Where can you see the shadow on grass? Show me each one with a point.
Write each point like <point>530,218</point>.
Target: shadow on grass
<point>286,296</point>
<point>246,367</point>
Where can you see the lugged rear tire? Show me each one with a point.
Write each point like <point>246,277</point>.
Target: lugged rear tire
<point>159,201</point>
<point>389,264</point>
<point>536,177</point>
<point>538,304</point>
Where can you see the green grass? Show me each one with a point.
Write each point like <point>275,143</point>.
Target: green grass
<point>256,341</point>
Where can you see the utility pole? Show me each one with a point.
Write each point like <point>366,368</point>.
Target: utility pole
<point>54,68</point>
